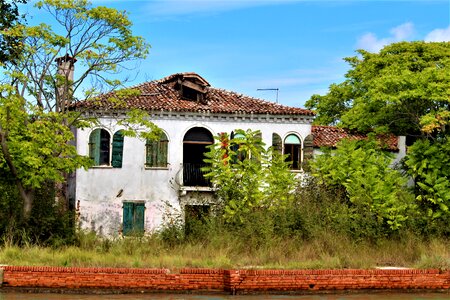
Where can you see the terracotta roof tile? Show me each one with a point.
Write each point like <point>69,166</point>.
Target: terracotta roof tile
<point>162,95</point>
<point>329,136</point>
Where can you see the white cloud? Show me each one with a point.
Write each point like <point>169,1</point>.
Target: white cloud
<point>439,35</point>
<point>372,43</point>
<point>403,31</point>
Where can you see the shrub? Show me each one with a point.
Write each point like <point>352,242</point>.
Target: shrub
<point>378,200</point>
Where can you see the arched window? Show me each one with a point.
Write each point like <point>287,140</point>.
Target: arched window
<point>156,152</point>
<point>239,155</point>
<point>117,149</point>
<point>292,147</point>
<point>99,144</point>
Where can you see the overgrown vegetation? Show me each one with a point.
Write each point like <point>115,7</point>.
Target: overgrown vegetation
<point>377,196</point>
<point>50,223</point>
<point>315,232</point>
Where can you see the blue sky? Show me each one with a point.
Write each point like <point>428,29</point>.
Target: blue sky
<point>295,46</point>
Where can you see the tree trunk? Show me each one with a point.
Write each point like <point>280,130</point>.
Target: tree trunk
<point>27,195</point>
<point>27,198</point>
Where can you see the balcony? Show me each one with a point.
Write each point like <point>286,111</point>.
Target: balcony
<point>194,176</point>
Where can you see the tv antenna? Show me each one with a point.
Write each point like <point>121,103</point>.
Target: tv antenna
<point>277,89</point>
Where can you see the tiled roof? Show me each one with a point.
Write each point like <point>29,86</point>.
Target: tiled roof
<point>162,95</point>
<point>329,136</point>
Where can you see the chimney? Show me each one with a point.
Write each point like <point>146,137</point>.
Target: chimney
<point>66,66</point>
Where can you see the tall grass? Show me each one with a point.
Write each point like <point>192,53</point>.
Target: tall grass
<point>228,251</point>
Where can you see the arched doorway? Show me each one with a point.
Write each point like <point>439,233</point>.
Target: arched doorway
<point>195,142</point>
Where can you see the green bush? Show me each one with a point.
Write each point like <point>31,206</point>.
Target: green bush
<point>378,200</point>
<point>428,163</point>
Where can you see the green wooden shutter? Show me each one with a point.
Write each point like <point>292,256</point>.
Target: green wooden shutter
<point>133,218</point>
<point>308,151</point>
<point>117,150</point>
<point>156,152</point>
<point>149,153</point>
<point>162,151</point>
<point>128,208</point>
<point>94,146</point>
<point>138,219</point>
<point>276,143</point>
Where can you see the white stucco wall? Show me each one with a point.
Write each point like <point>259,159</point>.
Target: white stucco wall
<point>101,191</point>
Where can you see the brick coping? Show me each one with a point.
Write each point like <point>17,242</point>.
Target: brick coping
<point>233,281</point>
<point>380,271</point>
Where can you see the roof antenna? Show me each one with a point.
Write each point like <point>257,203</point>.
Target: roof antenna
<point>277,89</point>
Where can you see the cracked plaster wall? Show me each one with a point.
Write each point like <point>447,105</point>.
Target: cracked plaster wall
<point>101,191</point>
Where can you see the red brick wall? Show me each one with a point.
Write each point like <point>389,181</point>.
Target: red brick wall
<point>233,281</point>
<point>292,280</point>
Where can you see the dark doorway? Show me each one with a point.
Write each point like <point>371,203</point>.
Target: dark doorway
<point>195,144</point>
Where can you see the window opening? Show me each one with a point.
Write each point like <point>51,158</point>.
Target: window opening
<point>239,155</point>
<point>292,147</point>
<point>99,146</point>
<point>156,152</point>
<point>191,94</point>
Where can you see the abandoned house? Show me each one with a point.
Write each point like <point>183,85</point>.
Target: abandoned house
<point>135,183</point>
<point>133,180</point>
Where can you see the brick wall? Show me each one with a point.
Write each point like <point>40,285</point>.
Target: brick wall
<point>293,280</point>
<point>216,280</point>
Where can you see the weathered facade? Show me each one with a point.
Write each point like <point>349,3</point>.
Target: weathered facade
<point>135,184</point>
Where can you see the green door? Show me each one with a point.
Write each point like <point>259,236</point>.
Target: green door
<point>133,218</point>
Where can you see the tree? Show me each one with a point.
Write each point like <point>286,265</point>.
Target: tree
<point>10,46</point>
<point>428,163</point>
<point>37,94</point>
<point>399,90</point>
<point>404,89</point>
<point>374,190</point>
<point>247,176</point>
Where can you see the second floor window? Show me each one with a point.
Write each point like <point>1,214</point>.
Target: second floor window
<point>99,146</point>
<point>156,152</point>
<point>292,147</point>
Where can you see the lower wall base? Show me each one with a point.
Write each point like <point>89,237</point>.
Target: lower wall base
<point>220,281</point>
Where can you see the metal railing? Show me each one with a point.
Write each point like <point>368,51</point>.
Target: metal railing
<point>194,176</point>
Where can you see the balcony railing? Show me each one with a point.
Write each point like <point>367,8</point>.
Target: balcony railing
<point>194,176</point>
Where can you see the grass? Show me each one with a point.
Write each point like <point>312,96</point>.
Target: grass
<point>326,252</point>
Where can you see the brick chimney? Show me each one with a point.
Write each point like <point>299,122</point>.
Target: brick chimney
<point>66,67</point>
